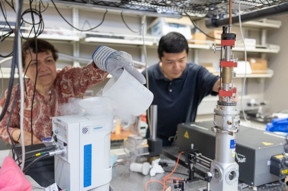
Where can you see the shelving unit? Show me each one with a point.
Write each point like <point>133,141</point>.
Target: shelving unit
<point>151,41</point>
<point>77,38</point>
<point>258,74</point>
<point>262,24</point>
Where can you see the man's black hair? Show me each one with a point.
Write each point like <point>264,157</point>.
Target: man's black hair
<point>172,42</point>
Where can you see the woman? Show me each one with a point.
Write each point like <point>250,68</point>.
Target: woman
<point>53,88</point>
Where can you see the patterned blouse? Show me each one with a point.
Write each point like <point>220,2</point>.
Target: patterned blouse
<point>69,83</point>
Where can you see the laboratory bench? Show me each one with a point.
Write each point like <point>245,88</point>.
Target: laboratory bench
<point>125,180</point>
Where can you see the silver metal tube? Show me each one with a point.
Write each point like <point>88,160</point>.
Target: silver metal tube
<point>223,152</point>
<point>153,128</point>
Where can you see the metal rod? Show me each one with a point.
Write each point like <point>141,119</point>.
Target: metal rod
<point>230,12</point>
<point>153,128</point>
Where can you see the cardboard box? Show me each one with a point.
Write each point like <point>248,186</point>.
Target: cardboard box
<point>198,38</point>
<point>258,65</point>
<point>162,26</point>
<point>216,34</point>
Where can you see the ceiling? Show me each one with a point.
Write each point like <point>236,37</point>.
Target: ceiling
<point>199,8</point>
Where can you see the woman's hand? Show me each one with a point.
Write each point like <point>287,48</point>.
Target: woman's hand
<point>27,137</point>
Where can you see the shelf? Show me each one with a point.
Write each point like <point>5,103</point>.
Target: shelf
<point>263,24</point>
<point>6,73</point>
<point>262,74</point>
<point>49,34</point>
<point>118,41</point>
<point>137,40</point>
<point>259,49</point>
<point>199,46</point>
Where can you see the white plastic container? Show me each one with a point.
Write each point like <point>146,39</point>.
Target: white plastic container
<point>128,95</point>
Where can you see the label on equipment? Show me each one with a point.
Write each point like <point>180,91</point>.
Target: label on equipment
<point>232,144</point>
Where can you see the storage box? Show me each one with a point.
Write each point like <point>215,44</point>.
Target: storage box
<point>162,26</point>
<point>258,65</point>
<point>243,68</point>
<point>250,43</point>
<point>216,36</point>
<point>198,38</point>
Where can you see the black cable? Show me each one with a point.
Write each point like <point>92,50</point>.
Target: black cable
<point>3,9</point>
<point>45,8</point>
<point>46,149</point>
<point>34,91</point>
<point>8,123</point>
<point>200,29</point>
<point>14,61</point>
<point>127,24</point>
<point>34,88</point>
<point>11,5</point>
<point>34,161</point>
<point>40,23</point>
<point>75,27</point>
<point>14,64</point>
<point>11,31</point>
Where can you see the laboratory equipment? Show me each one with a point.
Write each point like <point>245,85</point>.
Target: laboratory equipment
<point>224,169</point>
<point>86,139</point>
<point>154,143</point>
<point>254,148</point>
<point>139,167</point>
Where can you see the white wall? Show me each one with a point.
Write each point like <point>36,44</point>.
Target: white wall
<point>276,88</point>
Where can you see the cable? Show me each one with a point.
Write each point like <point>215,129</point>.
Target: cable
<point>8,124</point>
<point>165,178</point>
<point>40,23</point>
<point>34,90</point>
<point>199,28</point>
<point>49,148</point>
<point>11,5</point>
<point>34,161</point>
<point>2,82</point>
<point>7,34</point>
<point>21,83</point>
<point>127,24</point>
<point>174,169</point>
<point>245,59</point>
<point>145,186</point>
<point>75,27</point>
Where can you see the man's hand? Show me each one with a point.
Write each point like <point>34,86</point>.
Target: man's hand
<point>112,61</point>
<point>27,137</point>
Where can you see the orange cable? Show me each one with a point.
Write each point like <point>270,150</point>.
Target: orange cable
<point>165,178</point>
<point>154,181</point>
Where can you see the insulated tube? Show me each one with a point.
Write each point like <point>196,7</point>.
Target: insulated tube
<point>227,75</point>
<point>223,151</point>
<point>153,128</point>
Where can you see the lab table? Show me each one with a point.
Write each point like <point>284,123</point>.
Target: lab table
<point>125,180</point>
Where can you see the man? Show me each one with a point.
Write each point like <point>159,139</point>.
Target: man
<point>178,86</point>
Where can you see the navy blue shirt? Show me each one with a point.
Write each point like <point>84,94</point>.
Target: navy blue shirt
<point>177,100</point>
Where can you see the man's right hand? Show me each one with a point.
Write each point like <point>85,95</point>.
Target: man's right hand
<point>27,137</point>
